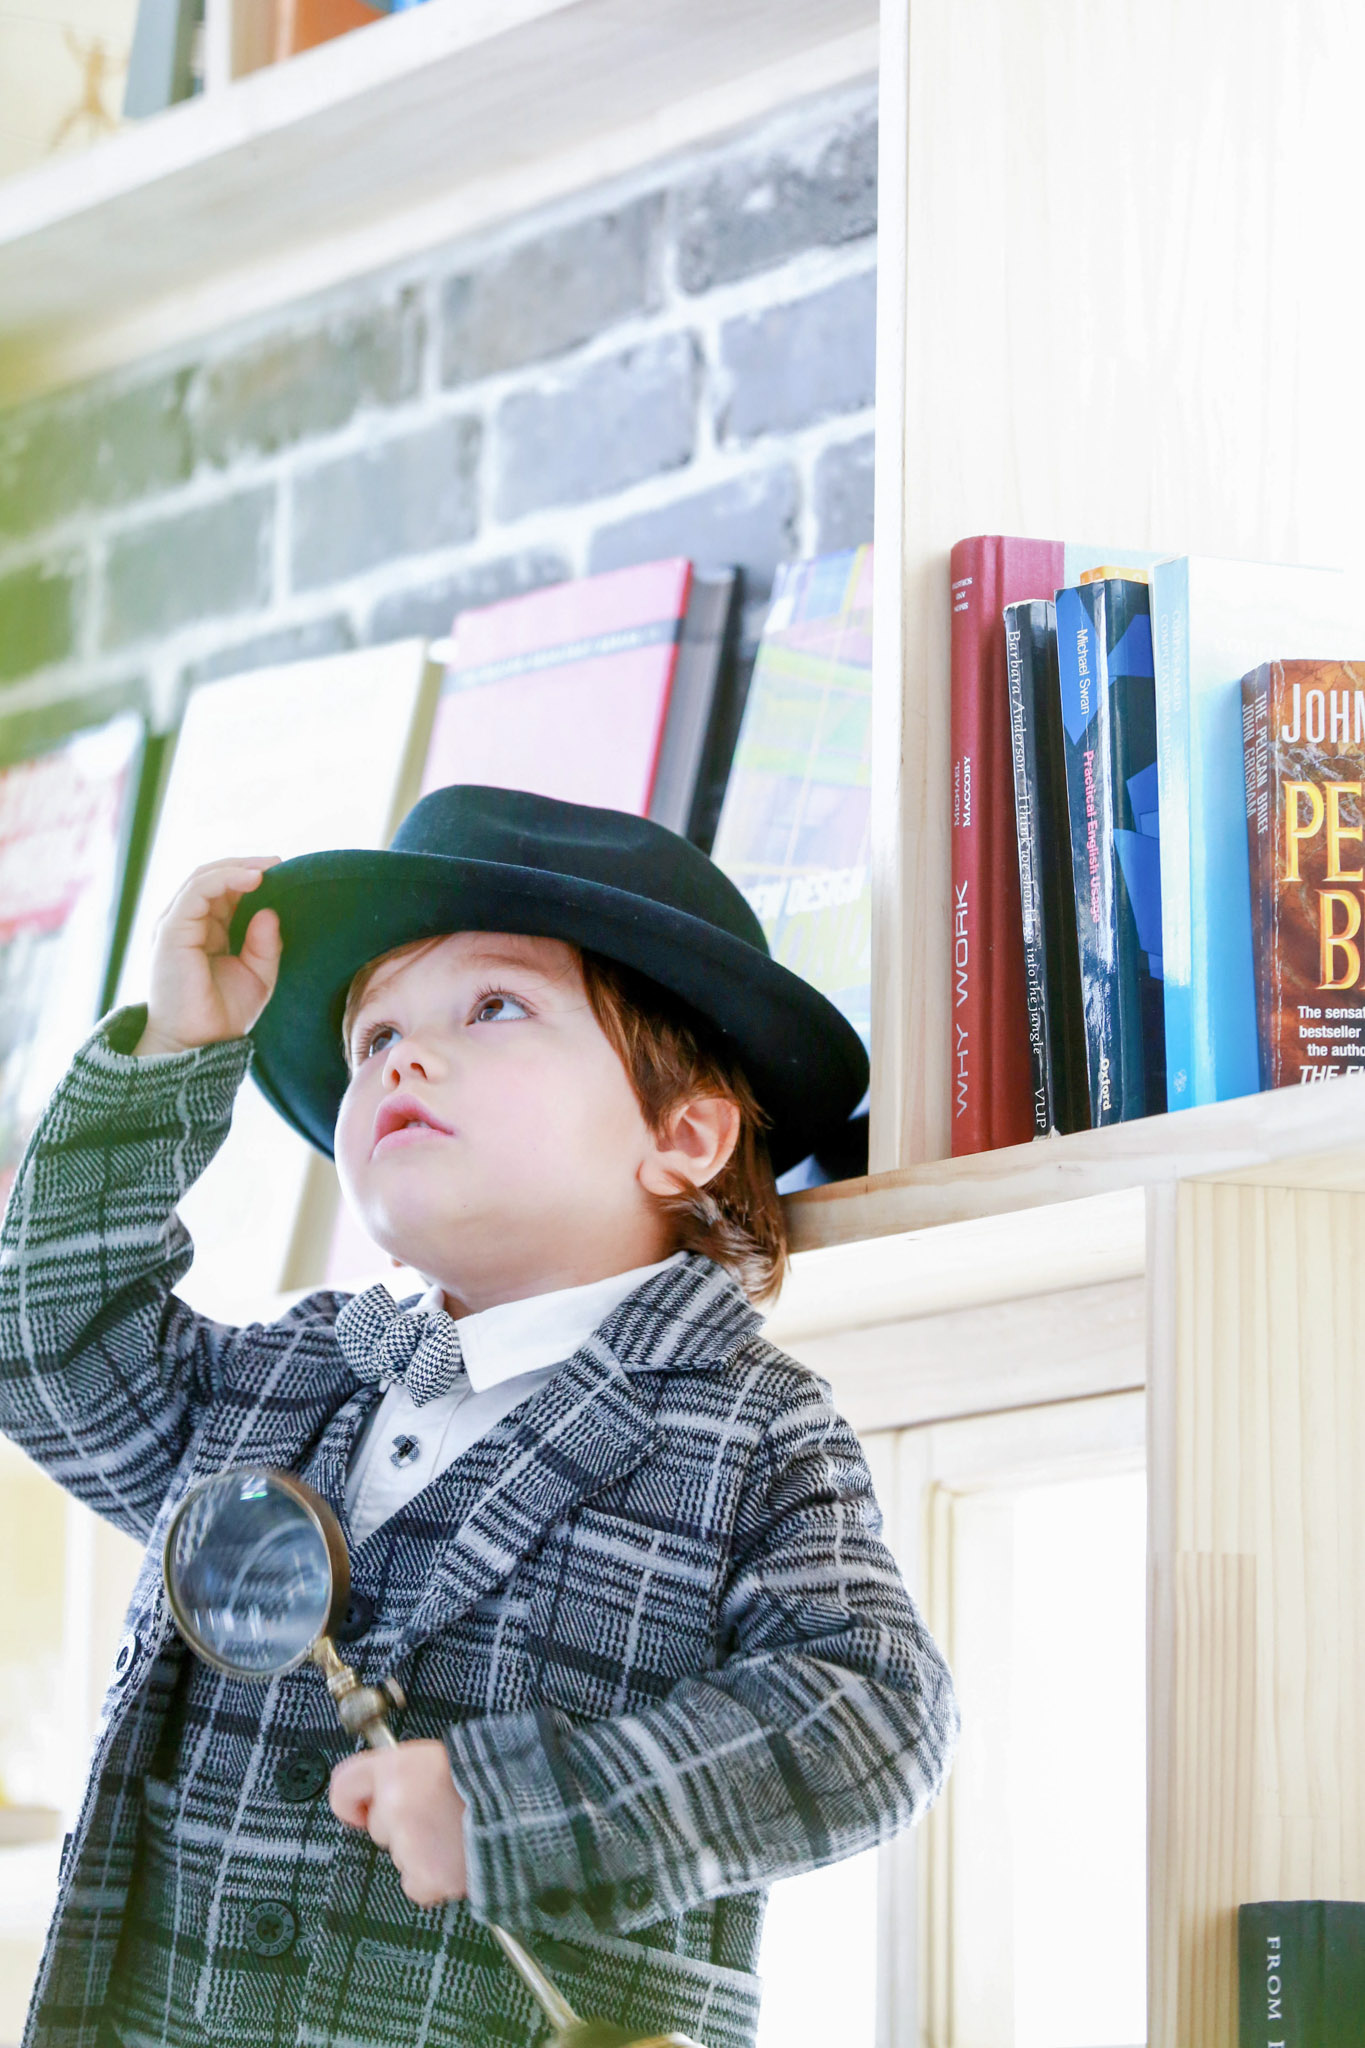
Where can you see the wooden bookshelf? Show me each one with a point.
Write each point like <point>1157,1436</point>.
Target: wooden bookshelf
<point>418,127</point>
<point>1109,238</point>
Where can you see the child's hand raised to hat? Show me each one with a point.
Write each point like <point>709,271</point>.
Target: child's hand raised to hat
<point>200,992</point>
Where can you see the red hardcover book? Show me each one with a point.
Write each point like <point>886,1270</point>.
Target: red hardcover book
<point>1303,741</point>
<point>564,691</point>
<point>992,1086</point>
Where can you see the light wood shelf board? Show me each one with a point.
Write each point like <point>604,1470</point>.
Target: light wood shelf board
<point>1045,1348</point>
<point>1314,1136</point>
<point>970,1265</point>
<point>429,123</point>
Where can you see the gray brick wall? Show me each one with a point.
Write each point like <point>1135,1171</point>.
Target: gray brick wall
<point>679,362</point>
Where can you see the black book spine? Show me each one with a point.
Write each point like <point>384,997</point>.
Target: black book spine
<point>1085,712</point>
<point>1051,964</point>
<point>1126,642</point>
<point>1107,697</point>
<point>1020,657</point>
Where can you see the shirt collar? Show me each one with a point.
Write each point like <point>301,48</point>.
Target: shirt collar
<point>517,1337</point>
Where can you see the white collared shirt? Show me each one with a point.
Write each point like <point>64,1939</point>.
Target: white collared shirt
<point>509,1353</point>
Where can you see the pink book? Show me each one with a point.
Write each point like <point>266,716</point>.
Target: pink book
<point>564,692</point>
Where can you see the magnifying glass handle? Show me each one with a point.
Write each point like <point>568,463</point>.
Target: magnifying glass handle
<point>364,1711</point>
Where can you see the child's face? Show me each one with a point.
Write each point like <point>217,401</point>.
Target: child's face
<point>535,1181</point>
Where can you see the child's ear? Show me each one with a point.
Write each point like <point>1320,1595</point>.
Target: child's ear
<point>695,1145</point>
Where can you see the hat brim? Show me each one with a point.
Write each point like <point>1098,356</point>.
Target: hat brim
<point>805,1062</point>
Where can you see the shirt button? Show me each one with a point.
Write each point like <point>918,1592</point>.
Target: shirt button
<point>301,1774</point>
<point>637,1892</point>
<point>271,1929</point>
<point>555,1900</point>
<point>127,1650</point>
<point>406,1451</point>
<point>358,1619</point>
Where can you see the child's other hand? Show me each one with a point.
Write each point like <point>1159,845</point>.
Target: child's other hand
<point>200,992</point>
<point>406,1801</point>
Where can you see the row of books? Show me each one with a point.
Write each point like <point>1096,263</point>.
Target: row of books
<point>165,60</point>
<point>623,689</point>
<point>1152,788</point>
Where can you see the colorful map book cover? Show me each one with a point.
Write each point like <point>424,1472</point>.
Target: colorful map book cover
<point>793,829</point>
<point>1108,700</point>
<point>65,819</point>
<point>564,691</point>
<point>1052,975</point>
<point>991,1091</point>
<point>1303,732</point>
<point>1212,621</point>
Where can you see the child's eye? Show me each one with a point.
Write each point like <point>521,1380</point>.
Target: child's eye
<point>368,1039</point>
<point>496,1007</point>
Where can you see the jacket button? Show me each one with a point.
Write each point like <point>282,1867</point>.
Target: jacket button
<point>271,1929</point>
<point>598,1899</point>
<point>556,1899</point>
<point>560,1955</point>
<point>637,1892</point>
<point>358,1619</point>
<point>301,1774</point>
<point>127,1650</point>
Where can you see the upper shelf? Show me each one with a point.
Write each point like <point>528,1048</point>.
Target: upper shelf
<point>1308,1136</point>
<point>384,141</point>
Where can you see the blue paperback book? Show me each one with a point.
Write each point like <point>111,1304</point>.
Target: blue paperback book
<point>1212,622</point>
<point>1104,662</point>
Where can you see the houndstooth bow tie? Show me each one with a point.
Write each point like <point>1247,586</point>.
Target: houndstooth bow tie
<point>415,1348</point>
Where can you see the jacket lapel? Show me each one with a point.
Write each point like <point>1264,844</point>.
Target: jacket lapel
<point>588,1427</point>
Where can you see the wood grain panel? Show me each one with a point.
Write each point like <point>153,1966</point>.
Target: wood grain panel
<point>1257,1440</point>
<point>1128,318</point>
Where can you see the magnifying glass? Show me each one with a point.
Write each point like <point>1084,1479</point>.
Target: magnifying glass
<point>258,1578</point>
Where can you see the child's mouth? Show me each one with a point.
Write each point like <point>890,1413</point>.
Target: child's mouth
<point>406,1134</point>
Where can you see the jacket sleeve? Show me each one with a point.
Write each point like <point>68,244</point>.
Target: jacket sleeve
<point>828,1725</point>
<point>103,1370</point>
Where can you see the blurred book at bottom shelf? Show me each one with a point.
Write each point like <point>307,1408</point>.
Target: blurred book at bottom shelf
<point>1301,1973</point>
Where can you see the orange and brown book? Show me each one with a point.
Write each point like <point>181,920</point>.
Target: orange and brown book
<point>1303,743</point>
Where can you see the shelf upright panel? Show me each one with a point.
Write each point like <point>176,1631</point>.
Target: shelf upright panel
<point>1124,303</point>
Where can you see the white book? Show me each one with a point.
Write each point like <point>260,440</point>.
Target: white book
<point>289,760</point>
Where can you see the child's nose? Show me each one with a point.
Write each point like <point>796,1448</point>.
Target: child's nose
<point>413,1055</point>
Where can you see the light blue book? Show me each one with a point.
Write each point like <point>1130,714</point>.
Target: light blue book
<point>1213,621</point>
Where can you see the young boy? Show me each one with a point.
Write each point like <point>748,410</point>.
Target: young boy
<point>621,1554</point>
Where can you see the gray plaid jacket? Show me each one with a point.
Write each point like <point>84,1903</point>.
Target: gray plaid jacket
<point>669,1656</point>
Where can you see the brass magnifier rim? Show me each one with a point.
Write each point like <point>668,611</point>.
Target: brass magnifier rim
<point>323,1519</point>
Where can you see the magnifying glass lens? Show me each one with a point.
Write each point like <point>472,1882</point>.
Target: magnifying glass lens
<point>249,1573</point>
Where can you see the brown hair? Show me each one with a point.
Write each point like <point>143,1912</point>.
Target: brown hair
<point>671,1056</point>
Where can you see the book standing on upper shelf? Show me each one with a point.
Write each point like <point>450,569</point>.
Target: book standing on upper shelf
<point>990,1069</point>
<point>601,690</point>
<point>1108,701</point>
<point>1052,984</point>
<point>1303,736</point>
<point>1212,620</point>
<point>794,827</point>
<point>66,819</point>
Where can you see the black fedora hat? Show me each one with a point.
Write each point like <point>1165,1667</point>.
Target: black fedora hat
<point>467,858</point>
